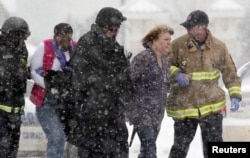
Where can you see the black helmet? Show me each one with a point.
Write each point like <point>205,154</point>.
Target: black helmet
<point>108,17</point>
<point>15,27</point>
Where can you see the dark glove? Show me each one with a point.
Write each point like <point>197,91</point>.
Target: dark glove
<point>234,104</point>
<point>179,77</point>
<point>50,79</point>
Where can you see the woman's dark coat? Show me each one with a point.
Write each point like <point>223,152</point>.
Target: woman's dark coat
<point>151,87</point>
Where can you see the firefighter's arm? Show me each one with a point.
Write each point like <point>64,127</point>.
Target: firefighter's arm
<point>181,78</point>
<point>229,76</point>
<point>231,80</point>
<point>175,72</point>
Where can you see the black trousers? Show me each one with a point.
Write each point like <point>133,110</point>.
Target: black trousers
<point>103,139</point>
<point>148,136</point>
<point>10,125</point>
<point>184,132</point>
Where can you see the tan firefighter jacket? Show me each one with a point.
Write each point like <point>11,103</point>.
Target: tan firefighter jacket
<point>205,64</point>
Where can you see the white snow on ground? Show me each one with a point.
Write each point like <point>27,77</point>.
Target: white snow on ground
<point>165,138</point>
<point>165,141</point>
<point>166,135</point>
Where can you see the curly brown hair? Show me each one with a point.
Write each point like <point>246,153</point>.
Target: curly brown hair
<point>154,33</point>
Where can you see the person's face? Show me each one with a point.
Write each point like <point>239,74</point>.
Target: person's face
<point>198,32</point>
<point>63,41</point>
<point>111,31</point>
<point>14,43</point>
<point>162,44</point>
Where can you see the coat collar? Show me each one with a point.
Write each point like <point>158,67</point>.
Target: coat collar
<point>107,42</point>
<point>192,45</point>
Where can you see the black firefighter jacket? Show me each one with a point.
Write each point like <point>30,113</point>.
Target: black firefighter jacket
<point>13,76</point>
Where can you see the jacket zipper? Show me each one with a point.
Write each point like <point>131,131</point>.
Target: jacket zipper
<point>202,48</point>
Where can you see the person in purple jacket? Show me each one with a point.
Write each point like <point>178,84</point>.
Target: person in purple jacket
<point>150,75</point>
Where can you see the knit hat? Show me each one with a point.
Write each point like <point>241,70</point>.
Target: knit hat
<point>108,17</point>
<point>194,18</point>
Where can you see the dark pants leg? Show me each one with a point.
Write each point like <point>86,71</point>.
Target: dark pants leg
<point>109,141</point>
<point>119,136</point>
<point>10,125</point>
<point>211,130</point>
<point>147,136</point>
<point>184,132</point>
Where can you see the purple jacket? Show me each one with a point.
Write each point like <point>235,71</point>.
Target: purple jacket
<point>151,86</point>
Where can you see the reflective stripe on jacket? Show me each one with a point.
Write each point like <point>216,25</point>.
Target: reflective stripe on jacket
<point>10,109</point>
<point>205,65</point>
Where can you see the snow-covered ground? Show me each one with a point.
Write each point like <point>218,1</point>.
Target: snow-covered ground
<point>165,141</point>
<point>238,130</point>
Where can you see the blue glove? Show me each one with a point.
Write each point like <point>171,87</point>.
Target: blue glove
<point>234,104</point>
<point>179,77</point>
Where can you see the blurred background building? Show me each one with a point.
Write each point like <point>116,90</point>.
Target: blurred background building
<point>228,19</point>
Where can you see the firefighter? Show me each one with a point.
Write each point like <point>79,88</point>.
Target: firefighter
<point>13,77</point>
<point>197,61</point>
